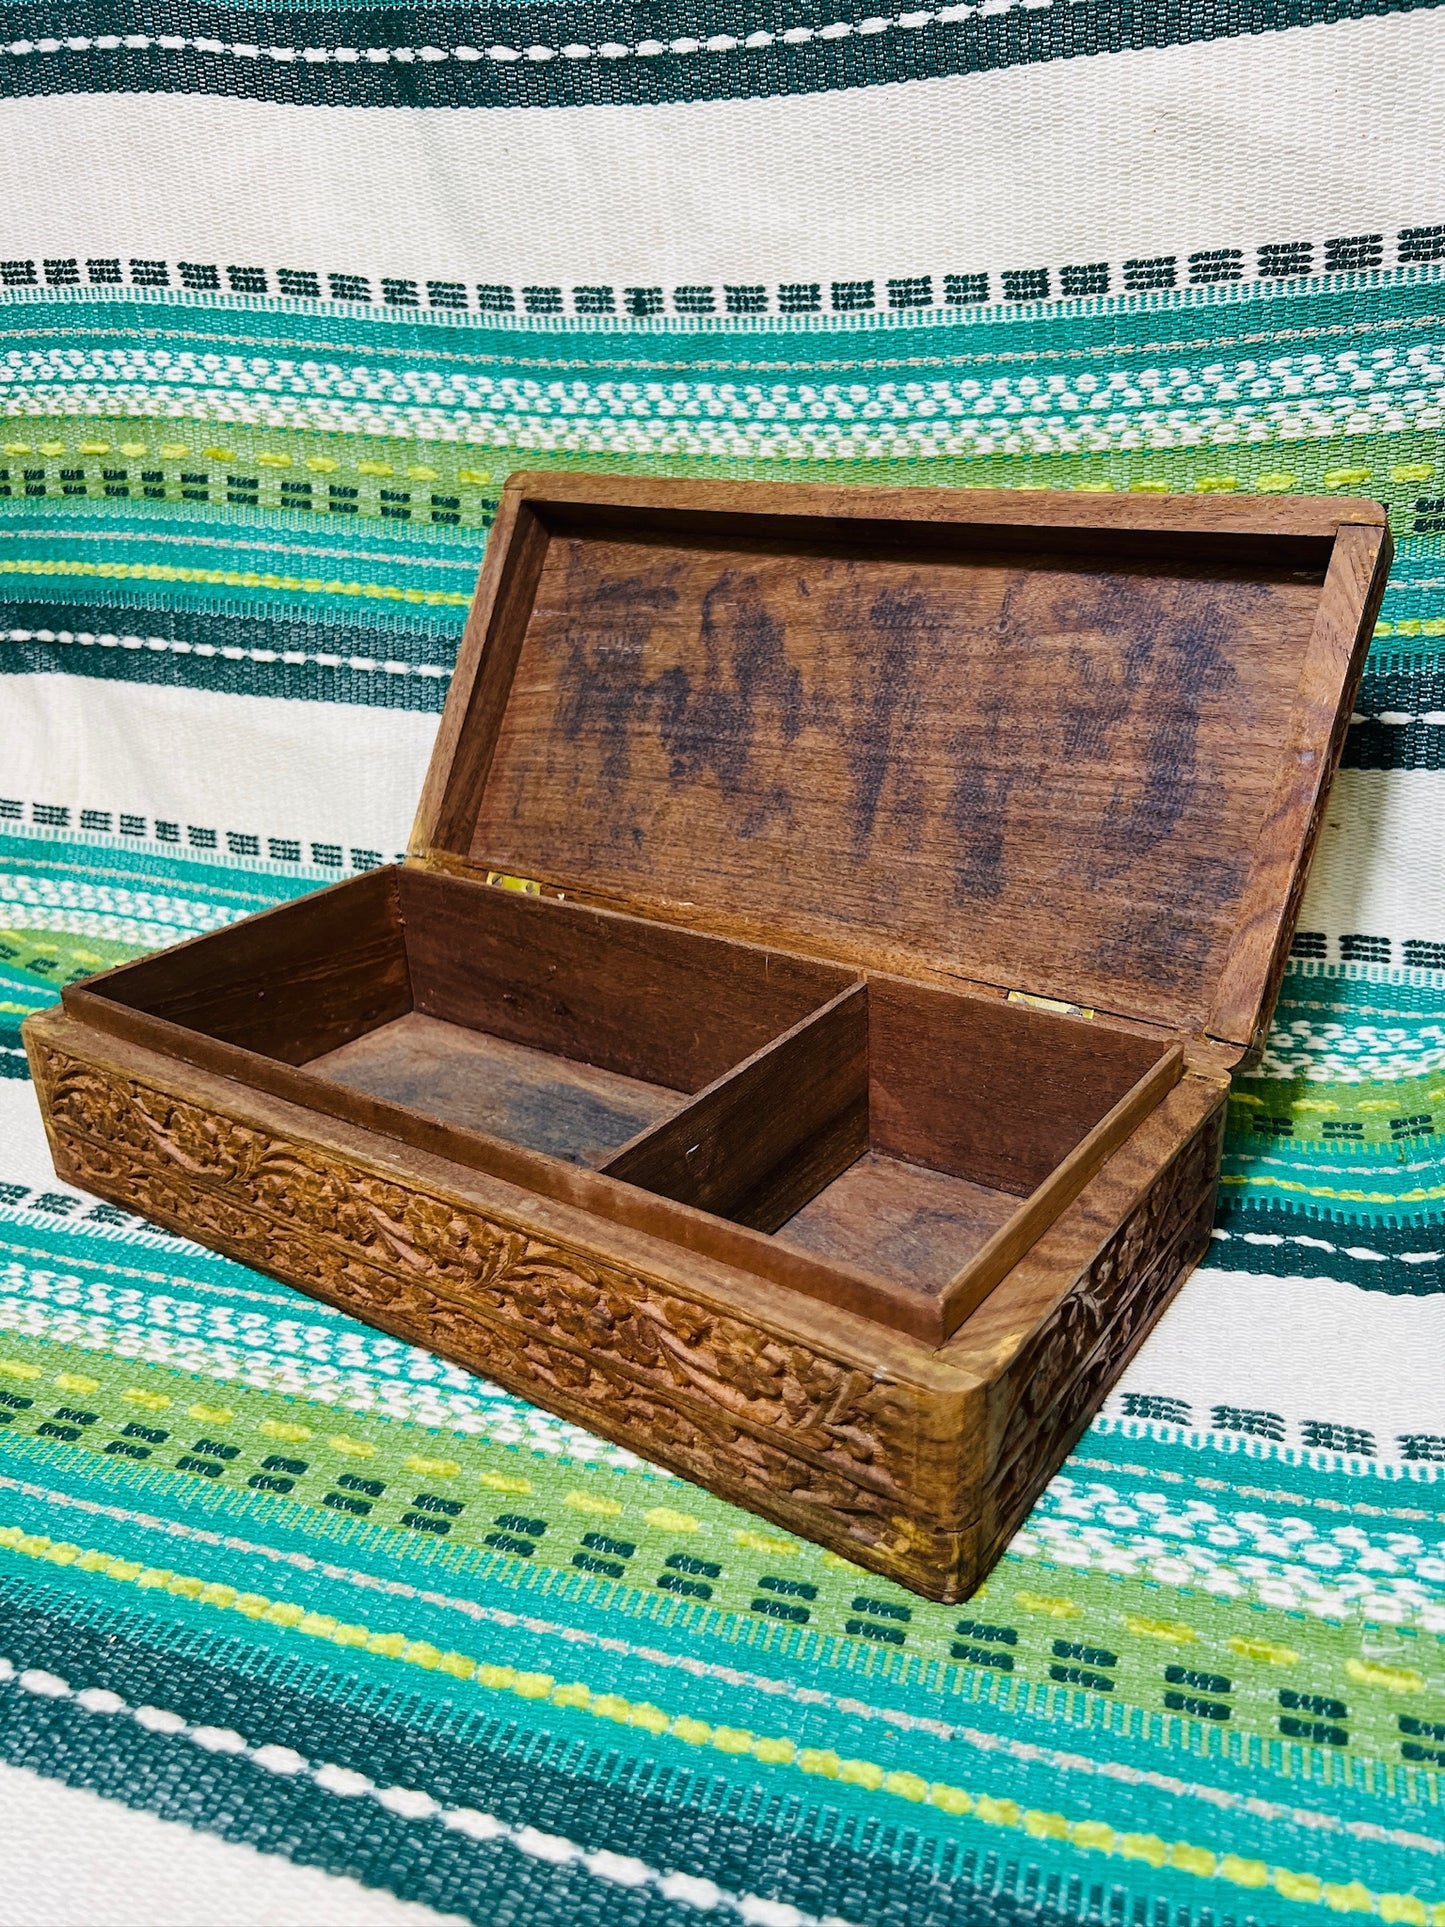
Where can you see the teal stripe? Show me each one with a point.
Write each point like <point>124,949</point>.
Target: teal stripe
<point>1176,395</point>
<point>232,889</point>
<point>1335,311</point>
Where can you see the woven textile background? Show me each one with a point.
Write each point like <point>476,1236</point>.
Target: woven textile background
<point>287,291</point>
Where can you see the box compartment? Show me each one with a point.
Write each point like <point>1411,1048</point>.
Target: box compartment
<point>965,1126</point>
<point>974,1108</point>
<point>470,1018</point>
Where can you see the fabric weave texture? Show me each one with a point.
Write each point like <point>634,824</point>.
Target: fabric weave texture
<point>300,1624</point>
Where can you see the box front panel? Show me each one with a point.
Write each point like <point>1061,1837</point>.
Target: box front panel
<point>817,1443</point>
<point>909,1480</point>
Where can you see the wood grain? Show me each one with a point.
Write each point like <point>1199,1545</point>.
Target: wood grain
<point>496,622</point>
<point>288,983</point>
<point>645,1000</point>
<point>699,505</point>
<point>989,1267</point>
<point>997,1093</point>
<point>900,1220</point>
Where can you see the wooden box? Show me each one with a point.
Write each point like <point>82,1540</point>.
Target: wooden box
<point>830,1096</point>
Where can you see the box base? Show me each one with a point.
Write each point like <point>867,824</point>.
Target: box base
<point>914,1463</point>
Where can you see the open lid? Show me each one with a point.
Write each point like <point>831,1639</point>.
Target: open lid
<point>1068,744</point>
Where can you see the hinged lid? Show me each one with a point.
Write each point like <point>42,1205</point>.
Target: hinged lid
<point>1068,744</point>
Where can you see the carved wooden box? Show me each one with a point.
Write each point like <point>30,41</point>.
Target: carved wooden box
<point>796,1046</point>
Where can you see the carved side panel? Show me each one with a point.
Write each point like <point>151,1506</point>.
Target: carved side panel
<point>806,1438</point>
<point>1100,1325</point>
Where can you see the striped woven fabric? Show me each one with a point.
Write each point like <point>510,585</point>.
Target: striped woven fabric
<point>297,1624</point>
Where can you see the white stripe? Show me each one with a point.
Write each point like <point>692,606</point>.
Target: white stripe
<point>1302,1348</point>
<point>348,773</point>
<point>73,1859</point>
<point>1161,151</point>
<point>1080,405</point>
<point>24,1153</point>
<point>1380,866</point>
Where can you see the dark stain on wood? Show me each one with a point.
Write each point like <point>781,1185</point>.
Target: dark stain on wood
<point>884,684</point>
<point>530,1097</point>
<point>1052,768</point>
<point>604,693</point>
<point>710,715</point>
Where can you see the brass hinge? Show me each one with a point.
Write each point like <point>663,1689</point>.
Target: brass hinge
<point>1048,1003</point>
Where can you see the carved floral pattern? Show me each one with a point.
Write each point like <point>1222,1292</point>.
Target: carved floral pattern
<point>730,1402</point>
<point>809,1439</point>
<point>1117,1295</point>
<point>1120,1296</point>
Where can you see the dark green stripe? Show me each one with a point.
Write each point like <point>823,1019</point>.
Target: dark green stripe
<point>387,641</point>
<point>1413,692</point>
<point>1019,38</point>
<point>487,1882</point>
<point>781,1848</point>
<point>1253,1229</point>
<point>1411,689</point>
<point>13,1062</point>
<point>1396,746</point>
<point>231,676</point>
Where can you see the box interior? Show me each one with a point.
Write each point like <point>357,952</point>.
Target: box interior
<point>860,1139</point>
<point>973,1104</point>
<point>560,1029</point>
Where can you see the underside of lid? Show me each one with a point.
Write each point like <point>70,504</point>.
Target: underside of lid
<point>1069,745</point>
